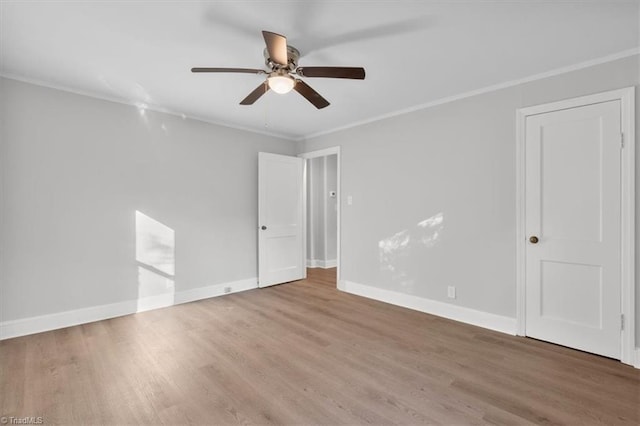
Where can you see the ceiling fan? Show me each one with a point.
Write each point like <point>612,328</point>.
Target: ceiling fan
<point>284,73</point>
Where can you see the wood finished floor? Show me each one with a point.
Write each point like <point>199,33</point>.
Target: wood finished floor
<point>305,353</point>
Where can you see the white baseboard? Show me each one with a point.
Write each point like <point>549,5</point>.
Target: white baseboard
<point>25,326</point>
<point>331,263</point>
<point>441,309</point>
<point>155,302</point>
<point>325,264</point>
<point>200,293</point>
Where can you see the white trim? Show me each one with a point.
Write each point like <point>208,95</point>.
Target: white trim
<point>157,301</point>
<point>324,264</point>
<point>627,98</point>
<point>320,153</point>
<point>628,212</point>
<point>446,310</point>
<point>637,363</point>
<point>534,77</point>
<point>339,214</point>
<point>136,104</point>
<point>323,153</point>
<point>307,196</point>
<point>25,326</point>
<point>325,201</point>
<point>332,263</point>
<point>558,71</point>
<point>520,222</point>
<point>215,290</point>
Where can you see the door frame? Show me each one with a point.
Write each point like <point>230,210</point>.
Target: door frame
<point>626,97</point>
<point>314,154</point>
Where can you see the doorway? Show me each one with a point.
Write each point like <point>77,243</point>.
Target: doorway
<point>322,212</point>
<point>575,223</point>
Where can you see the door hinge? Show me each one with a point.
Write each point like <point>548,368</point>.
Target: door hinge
<point>621,321</point>
<point>621,140</point>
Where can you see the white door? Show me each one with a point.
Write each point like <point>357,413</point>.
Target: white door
<point>280,219</point>
<point>572,208</point>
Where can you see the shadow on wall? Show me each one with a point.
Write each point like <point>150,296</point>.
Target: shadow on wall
<point>155,255</point>
<point>395,251</point>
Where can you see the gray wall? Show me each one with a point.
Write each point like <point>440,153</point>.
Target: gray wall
<point>75,170</point>
<point>434,192</point>
<point>321,210</point>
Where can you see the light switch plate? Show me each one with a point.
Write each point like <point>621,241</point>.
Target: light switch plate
<point>451,292</point>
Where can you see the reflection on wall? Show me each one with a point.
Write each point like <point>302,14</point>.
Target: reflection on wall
<point>429,230</point>
<point>395,251</point>
<point>393,247</point>
<point>155,254</point>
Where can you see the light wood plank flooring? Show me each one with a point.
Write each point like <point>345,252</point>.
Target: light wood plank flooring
<point>305,353</point>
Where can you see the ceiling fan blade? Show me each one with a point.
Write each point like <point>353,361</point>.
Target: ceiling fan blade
<point>356,73</point>
<point>240,70</point>
<point>276,46</point>
<point>311,95</point>
<point>255,95</point>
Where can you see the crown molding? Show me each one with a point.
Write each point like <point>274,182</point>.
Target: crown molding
<point>492,88</point>
<point>148,107</point>
<point>558,71</point>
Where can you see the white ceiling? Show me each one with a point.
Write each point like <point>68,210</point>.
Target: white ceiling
<point>414,52</point>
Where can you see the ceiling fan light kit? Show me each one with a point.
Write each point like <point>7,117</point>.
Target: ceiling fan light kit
<point>281,83</point>
<point>282,61</point>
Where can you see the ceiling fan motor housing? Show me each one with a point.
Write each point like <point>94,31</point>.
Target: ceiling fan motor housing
<point>293,55</point>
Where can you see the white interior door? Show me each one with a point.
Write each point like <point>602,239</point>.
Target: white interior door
<point>572,220</point>
<point>281,220</point>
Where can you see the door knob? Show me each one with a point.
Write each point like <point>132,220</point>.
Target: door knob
<point>533,239</point>
<point>263,227</point>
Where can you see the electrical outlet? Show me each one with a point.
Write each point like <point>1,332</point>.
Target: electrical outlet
<point>227,290</point>
<point>349,200</point>
<point>451,292</point>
